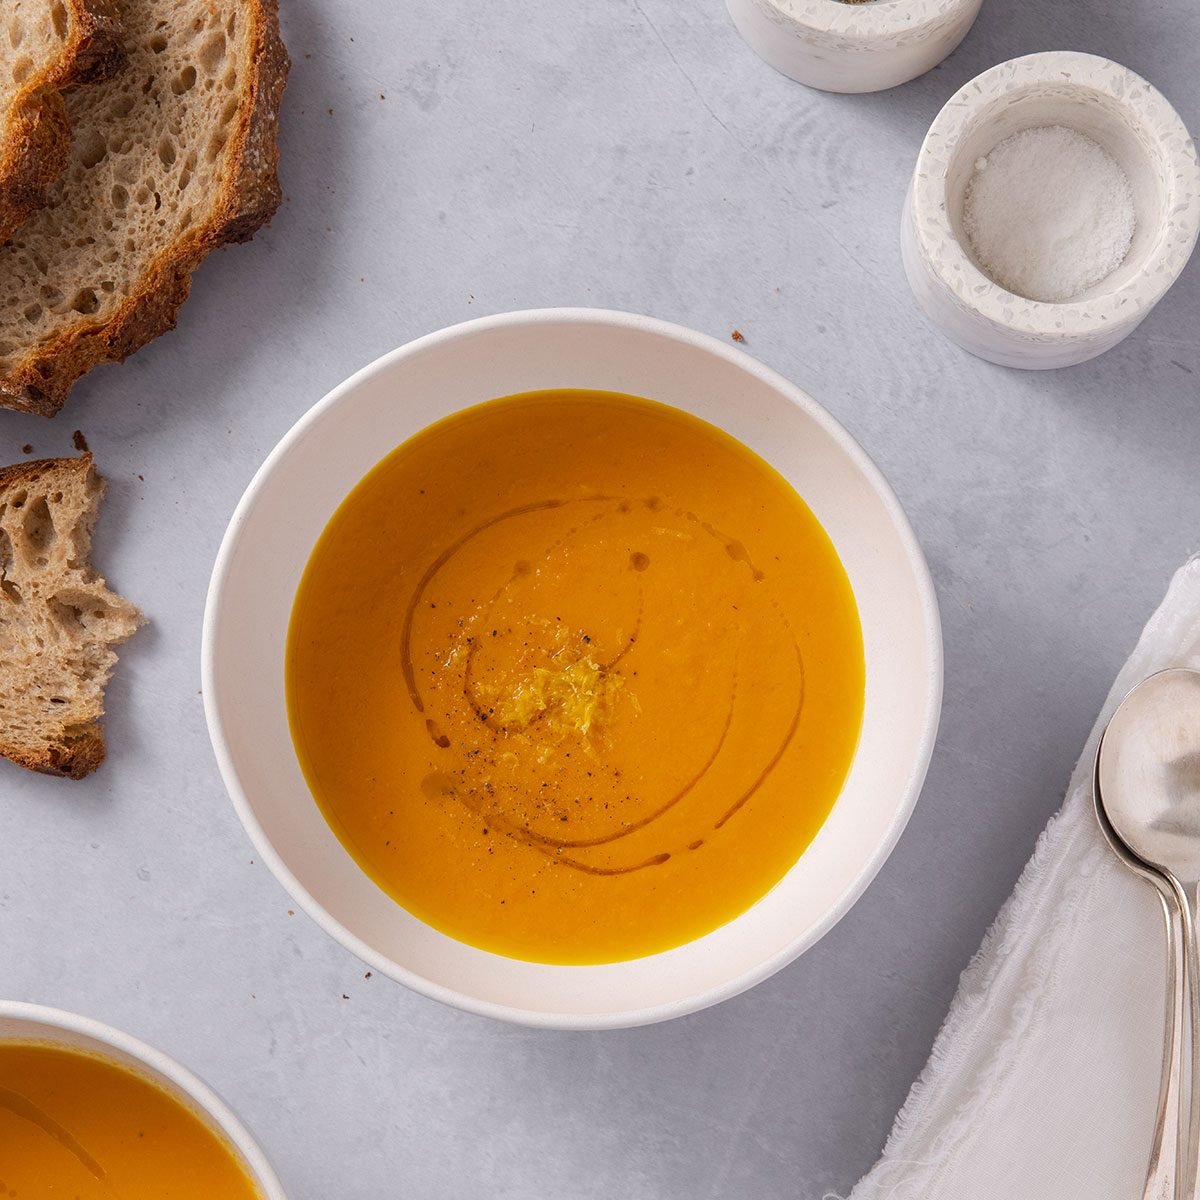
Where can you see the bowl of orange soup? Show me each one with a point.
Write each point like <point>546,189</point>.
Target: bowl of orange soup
<point>90,1113</point>
<point>572,668</point>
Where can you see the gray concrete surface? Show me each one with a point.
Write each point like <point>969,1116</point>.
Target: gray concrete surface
<point>448,158</point>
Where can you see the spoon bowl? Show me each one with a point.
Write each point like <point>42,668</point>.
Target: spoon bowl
<point>1149,772</point>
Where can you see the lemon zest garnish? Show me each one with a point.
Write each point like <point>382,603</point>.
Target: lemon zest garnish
<point>576,697</point>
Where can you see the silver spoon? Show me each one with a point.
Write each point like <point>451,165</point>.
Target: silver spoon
<point>1148,785</point>
<point>1166,1164</point>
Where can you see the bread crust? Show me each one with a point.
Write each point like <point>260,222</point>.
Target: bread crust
<point>27,472</point>
<point>75,756</point>
<point>36,139</point>
<point>80,748</point>
<point>249,198</point>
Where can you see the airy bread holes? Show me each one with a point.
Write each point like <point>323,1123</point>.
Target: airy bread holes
<point>92,148</point>
<point>8,589</point>
<point>212,53</point>
<point>184,81</point>
<point>39,529</point>
<point>69,616</point>
<point>85,302</point>
<point>22,69</point>
<point>58,18</point>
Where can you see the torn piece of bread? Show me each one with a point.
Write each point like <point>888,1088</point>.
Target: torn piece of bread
<point>171,158</point>
<point>46,47</point>
<point>58,620</point>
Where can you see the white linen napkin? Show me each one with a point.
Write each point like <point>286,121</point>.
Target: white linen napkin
<point>1043,1081</point>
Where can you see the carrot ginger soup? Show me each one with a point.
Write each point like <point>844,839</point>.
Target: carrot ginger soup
<point>80,1127</point>
<point>575,677</point>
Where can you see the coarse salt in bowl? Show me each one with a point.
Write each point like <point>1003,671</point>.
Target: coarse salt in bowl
<point>1130,120</point>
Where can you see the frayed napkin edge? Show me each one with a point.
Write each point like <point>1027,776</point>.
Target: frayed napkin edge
<point>990,958</point>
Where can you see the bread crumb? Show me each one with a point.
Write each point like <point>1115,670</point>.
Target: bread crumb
<point>79,442</point>
<point>27,449</point>
<point>737,336</point>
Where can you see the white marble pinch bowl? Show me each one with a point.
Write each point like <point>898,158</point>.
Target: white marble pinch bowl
<point>840,47</point>
<point>324,456</point>
<point>1125,115</point>
<point>36,1023</point>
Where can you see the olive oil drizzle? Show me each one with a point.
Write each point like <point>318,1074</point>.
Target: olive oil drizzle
<point>552,847</point>
<point>26,1110</point>
<point>773,762</point>
<point>633,827</point>
<point>406,662</point>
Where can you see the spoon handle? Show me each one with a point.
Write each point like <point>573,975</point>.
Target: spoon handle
<point>1190,1177</point>
<point>1167,1170</point>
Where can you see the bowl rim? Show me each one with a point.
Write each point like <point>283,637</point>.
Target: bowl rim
<point>226,1121</point>
<point>1089,74</point>
<point>897,22</point>
<point>622,1018</point>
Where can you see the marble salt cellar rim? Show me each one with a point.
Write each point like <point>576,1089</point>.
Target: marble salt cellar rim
<point>883,23</point>
<point>1071,75</point>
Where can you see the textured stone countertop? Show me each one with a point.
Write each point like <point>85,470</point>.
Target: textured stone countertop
<point>444,159</point>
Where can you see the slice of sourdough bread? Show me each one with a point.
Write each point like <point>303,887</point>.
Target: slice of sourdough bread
<point>58,620</point>
<point>46,46</point>
<point>171,158</point>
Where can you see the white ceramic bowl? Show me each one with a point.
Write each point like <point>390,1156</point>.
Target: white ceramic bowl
<point>330,449</point>
<point>1138,127</point>
<point>32,1022</point>
<point>853,47</point>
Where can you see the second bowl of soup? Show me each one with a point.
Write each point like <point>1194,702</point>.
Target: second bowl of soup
<point>572,668</point>
<point>89,1113</point>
